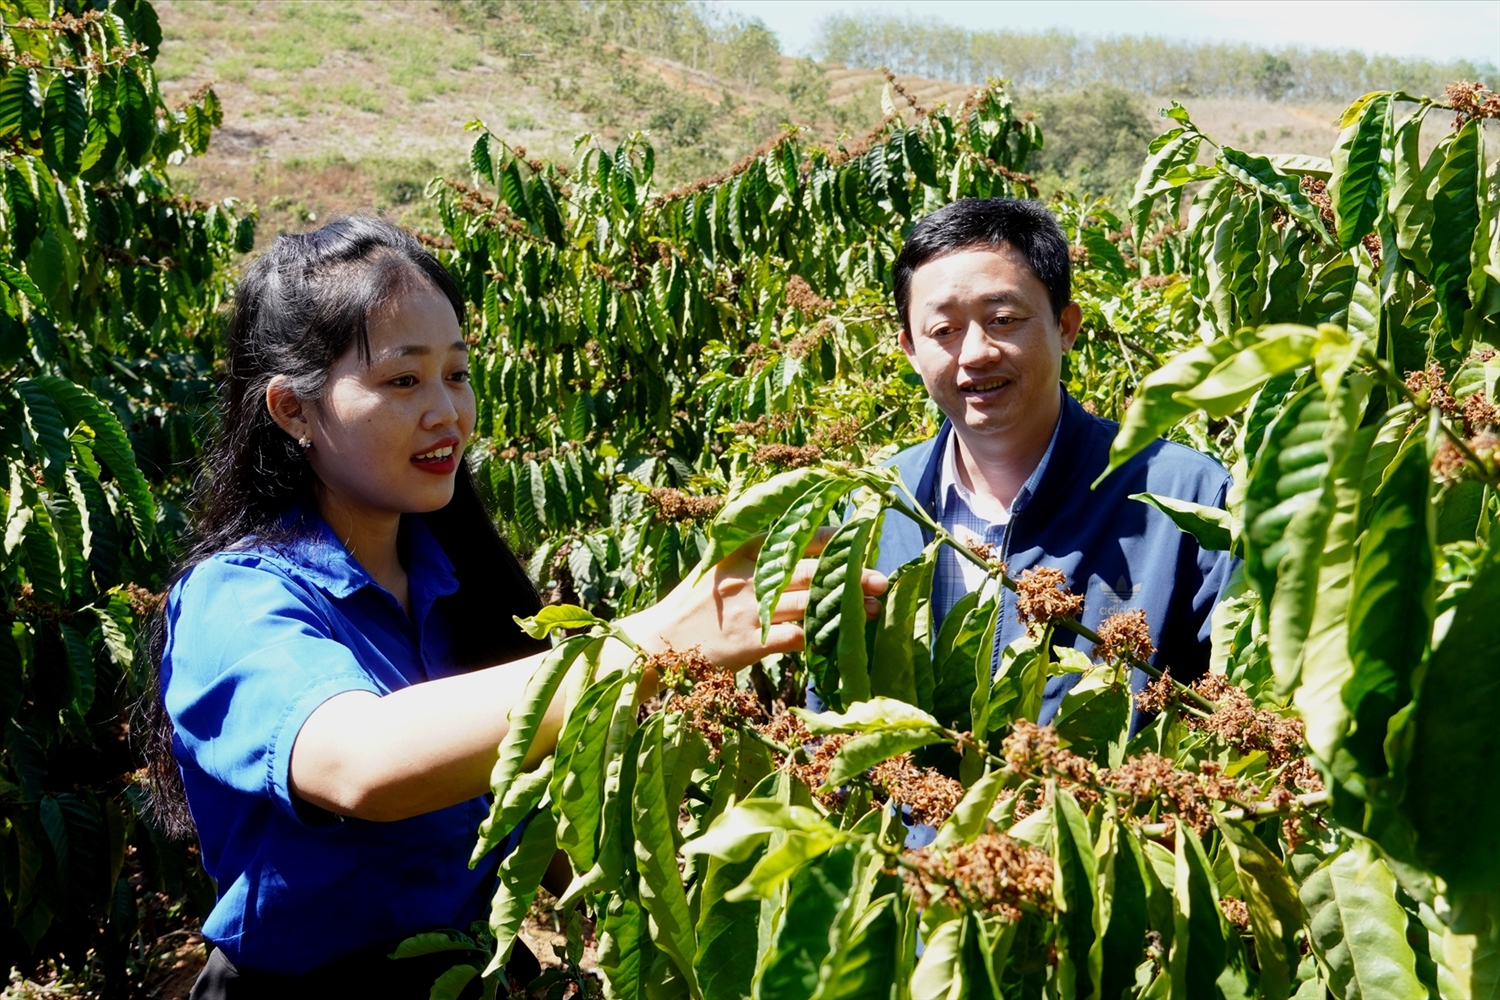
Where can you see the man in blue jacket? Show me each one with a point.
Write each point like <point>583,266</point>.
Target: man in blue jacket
<point>983,289</point>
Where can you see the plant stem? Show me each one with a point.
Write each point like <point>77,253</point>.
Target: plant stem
<point>1254,810</point>
<point>1200,706</point>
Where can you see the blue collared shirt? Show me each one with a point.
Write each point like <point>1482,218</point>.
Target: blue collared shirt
<point>257,638</point>
<point>963,518</point>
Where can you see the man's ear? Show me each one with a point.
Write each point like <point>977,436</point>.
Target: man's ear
<point>904,339</point>
<point>287,408</point>
<point>1069,323</point>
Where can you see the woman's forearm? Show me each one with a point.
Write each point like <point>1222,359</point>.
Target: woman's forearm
<point>422,748</point>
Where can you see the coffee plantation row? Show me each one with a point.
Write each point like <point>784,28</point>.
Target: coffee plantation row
<point>664,375</point>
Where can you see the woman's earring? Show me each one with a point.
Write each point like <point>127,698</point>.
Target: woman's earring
<point>305,442</point>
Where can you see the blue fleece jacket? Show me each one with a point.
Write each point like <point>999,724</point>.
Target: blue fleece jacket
<point>1120,553</point>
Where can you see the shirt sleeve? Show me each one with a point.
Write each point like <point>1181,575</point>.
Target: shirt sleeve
<point>250,654</point>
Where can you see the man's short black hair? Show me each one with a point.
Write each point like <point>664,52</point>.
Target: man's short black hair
<point>988,222</point>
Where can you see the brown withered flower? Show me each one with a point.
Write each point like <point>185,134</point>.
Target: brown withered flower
<point>994,872</point>
<point>1239,724</point>
<point>930,796</point>
<point>1041,596</point>
<point>788,456</point>
<point>1125,633</point>
<point>675,505</point>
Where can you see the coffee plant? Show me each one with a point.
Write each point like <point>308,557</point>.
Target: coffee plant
<point>1318,816</point>
<point>109,283</point>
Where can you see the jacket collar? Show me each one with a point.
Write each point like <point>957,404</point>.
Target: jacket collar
<point>1073,430</point>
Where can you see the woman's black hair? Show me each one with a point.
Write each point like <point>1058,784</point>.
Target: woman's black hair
<point>298,308</point>
<point>989,222</point>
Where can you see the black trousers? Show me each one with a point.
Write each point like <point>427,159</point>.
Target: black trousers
<point>368,974</point>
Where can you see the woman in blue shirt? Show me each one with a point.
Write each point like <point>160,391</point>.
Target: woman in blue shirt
<point>327,665</point>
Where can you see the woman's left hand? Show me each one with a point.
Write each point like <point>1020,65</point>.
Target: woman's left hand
<point>718,612</point>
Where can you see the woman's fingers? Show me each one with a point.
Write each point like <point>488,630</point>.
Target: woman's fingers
<point>874,583</point>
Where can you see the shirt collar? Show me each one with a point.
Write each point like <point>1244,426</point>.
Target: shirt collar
<point>324,562</point>
<point>948,477</point>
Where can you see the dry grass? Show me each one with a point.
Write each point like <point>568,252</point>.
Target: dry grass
<point>337,108</point>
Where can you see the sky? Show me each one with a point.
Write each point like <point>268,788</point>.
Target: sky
<point>1433,29</point>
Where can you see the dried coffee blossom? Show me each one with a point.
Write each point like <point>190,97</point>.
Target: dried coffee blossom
<point>711,701</point>
<point>1041,596</point>
<point>675,505</point>
<point>788,730</point>
<point>788,456</point>
<point>995,872</point>
<point>1479,413</point>
<point>1033,750</point>
<point>1154,698</point>
<point>1236,912</point>
<point>929,795</point>
<point>1432,382</point>
<point>800,295</point>
<point>1153,779</point>
<point>1239,724</point>
<point>1126,633</point>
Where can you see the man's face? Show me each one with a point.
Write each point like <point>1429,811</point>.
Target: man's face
<point>984,339</point>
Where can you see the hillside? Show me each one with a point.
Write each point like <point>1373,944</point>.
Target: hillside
<point>333,108</point>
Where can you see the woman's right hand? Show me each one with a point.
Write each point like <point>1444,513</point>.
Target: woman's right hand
<point>718,612</point>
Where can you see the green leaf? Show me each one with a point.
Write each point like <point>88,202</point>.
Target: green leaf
<point>137,116</point>
<point>433,943</point>
<point>1408,205</point>
<point>110,444</point>
<point>1358,930</point>
<point>740,830</point>
<point>815,896</point>
<point>1156,407</point>
<point>1122,906</point>
<point>1391,607</point>
<point>520,874</point>
<point>967,820</point>
<point>1276,349</point>
<point>621,935</point>
<point>1325,664</point>
<point>864,752</point>
<point>1356,187</point>
<point>753,511</point>
<point>661,890</point>
<point>49,432</point>
<point>939,971</point>
<point>864,966</point>
<point>577,789</point>
<point>1075,869</point>
<point>1174,147</point>
<point>46,567</point>
<point>20,102</point>
<point>1198,950</point>
<point>875,715</point>
<point>831,648</point>
<point>481,164</point>
<point>557,618</point>
<point>1094,717</point>
<point>1261,174</point>
<point>728,938</point>
<point>1452,774</point>
<point>784,861</point>
<point>64,123</point>
<point>784,546</point>
<point>1454,195</point>
<point>1275,911</point>
<point>525,718</point>
<point>450,984</point>
<point>901,665</point>
<point>1213,528</point>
